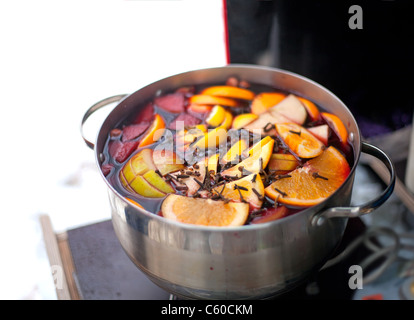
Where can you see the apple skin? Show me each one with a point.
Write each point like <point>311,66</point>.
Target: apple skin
<point>321,132</point>
<point>291,108</point>
<point>271,214</point>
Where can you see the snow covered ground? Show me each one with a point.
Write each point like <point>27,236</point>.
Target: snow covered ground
<point>57,59</point>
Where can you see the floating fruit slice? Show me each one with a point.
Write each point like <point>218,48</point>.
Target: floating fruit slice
<point>144,188</point>
<point>311,108</point>
<point>312,183</point>
<point>321,132</point>
<point>135,203</point>
<point>263,101</point>
<point>282,162</point>
<point>229,92</point>
<point>200,108</point>
<point>154,132</point>
<point>212,163</point>
<point>206,99</point>
<point>264,124</point>
<point>139,164</point>
<point>253,164</point>
<point>234,152</point>
<point>336,125</point>
<point>173,102</point>
<point>205,212</point>
<point>291,108</point>
<point>299,140</point>
<point>216,116</point>
<point>242,120</point>
<point>167,161</point>
<point>257,147</point>
<point>183,120</point>
<point>158,182</point>
<point>212,139</point>
<point>228,119</point>
<point>271,214</point>
<point>242,190</point>
<point>187,183</point>
<point>134,131</point>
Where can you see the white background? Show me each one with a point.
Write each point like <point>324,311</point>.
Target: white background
<point>58,58</point>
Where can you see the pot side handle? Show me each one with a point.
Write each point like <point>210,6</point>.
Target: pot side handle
<point>352,212</point>
<point>93,109</point>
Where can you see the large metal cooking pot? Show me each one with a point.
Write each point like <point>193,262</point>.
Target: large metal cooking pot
<point>248,262</point>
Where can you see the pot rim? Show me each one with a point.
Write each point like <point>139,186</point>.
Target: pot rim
<point>307,211</point>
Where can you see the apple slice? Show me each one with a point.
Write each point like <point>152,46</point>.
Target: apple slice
<point>139,164</point>
<point>189,182</point>
<point>271,214</point>
<point>264,121</point>
<point>167,161</point>
<point>282,162</point>
<point>291,108</point>
<point>158,182</point>
<point>253,164</point>
<point>144,188</point>
<point>321,132</point>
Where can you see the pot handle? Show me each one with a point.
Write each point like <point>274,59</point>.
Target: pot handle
<point>93,109</point>
<point>352,212</point>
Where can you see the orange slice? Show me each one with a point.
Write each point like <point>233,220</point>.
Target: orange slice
<point>244,187</point>
<point>135,203</point>
<point>243,119</point>
<point>311,108</point>
<point>205,212</point>
<point>312,183</point>
<point>154,132</point>
<point>206,99</point>
<point>234,152</point>
<point>303,143</point>
<point>216,116</point>
<point>259,157</point>
<point>228,120</point>
<point>229,92</point>
<point>265,100</point>
<point>336,125</point>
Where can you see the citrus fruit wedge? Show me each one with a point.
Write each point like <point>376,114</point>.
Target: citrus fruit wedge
<point>243,119</point>
<point>229,92</point>
<point>303,143</point>
<point>311,108</point>
<point>265,100</point>
<point>216,116</point>
<point>228,120</point>
<point>312,183</point>
<point>257,160</point>
<point>282,162</point>
<point>206,99</point>
<point>204,212</point>
<point>234,152</point>
<point>336,125</point>
<point>242,190</point>
<point>154,132</point>
<point>211,139</point>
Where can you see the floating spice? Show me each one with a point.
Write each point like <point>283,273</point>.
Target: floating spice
<point>284,194</point>
<point>317,175</point>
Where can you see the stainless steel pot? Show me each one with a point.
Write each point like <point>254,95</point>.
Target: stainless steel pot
<point>248,262</point>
